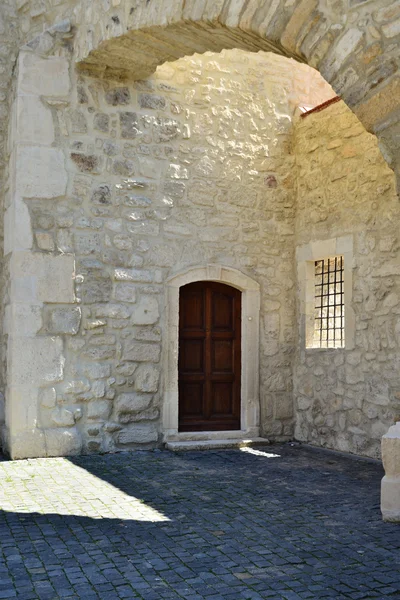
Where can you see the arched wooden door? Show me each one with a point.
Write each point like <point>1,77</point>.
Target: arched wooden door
<point>209,357</point>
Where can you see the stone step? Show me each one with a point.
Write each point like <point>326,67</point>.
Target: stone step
<point>215,444</point>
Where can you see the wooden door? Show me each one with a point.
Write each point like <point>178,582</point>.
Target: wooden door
<point>209,357</point>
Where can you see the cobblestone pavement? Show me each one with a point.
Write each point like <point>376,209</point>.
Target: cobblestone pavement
<point>281,522</point>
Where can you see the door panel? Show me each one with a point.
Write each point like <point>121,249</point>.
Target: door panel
<point>192,311</point>
<point>223,355</point>
<point>221,395</point>
<point>193,356</point>
<point>221,311</point>
<point>209,357</point>
<point>192,398</point>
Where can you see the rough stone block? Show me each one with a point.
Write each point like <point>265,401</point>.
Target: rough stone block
<point>283,406</point>
<point>130,402</point>
<point>141,276</point>
<point>125,292</point>
<point>140,352</point>
<point>99,410</point>
<point>379,106</point>
<point>87,163</point>
<point>87,243</point>
<point>152,101</point>
<point>45,241</point>
<point>101,122</point>
<point>113,311</point>
<point>146,312</point>
<point>91,291</point>
<point>63,320</point>
<point>343,49</point>
<point>391,29</point>
<point>98,389</point>
<point>300,16</point>
<point>140,434</point>
<point>97,371</point>
<point>165,129</point>
<point>146,378</point>
<point>118,96</point>
<point>144,228</point>
<point>129,125</point>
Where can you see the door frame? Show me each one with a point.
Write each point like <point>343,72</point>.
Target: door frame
<point>250,401</point>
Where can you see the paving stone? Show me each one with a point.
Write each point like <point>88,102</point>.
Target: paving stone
<point>199,525</point>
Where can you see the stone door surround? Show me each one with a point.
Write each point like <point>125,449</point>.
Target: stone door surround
<point>250,402</point>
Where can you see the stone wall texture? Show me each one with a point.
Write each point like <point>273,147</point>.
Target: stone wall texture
<point>117,176</point>
<point>347,399</point>
<point>191,167</point>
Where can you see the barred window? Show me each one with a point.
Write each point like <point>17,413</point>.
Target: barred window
<point>329,303</point>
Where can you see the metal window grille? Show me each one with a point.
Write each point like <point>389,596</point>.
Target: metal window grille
<point>329,303</point>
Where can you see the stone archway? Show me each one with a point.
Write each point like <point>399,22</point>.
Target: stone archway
<point>352,45</point>
<point>250,409</point>
<point>354,50</point>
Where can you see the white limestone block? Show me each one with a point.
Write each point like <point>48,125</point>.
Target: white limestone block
<point>40,172</point>
<point>34,122</point>
<point>390,488</point>
<point>62,442</point>
<point>30,443</point>
<point>23,319</point>
<point>17,227</point>
<point>46,277</point>
<point>21,402</point>
<point>43,76</point>
<point>48,397</point>
<point>35,361</point>
<point>62,417</point>
<point>146,312</point>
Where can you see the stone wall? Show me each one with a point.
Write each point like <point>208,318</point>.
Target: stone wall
<point>136,182</point>
<point>36,16</point>
<point>125,184</point>
<point>346,399</point>
<point>352,43</point>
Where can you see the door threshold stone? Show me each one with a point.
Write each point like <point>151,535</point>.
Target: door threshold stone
<point>222,444</point>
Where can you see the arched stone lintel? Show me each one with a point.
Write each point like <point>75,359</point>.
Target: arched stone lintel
<point>250,403</point>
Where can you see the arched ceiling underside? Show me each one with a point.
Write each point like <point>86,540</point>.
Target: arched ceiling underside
<point>355,44</point>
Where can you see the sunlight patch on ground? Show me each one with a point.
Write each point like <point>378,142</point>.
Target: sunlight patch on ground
<point>57,486</point>
<point>259,453</point>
